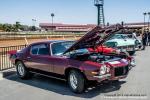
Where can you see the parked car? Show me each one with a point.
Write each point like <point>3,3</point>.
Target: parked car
<point>122,42</point>
<point>72,61</point>
<point>137,40</point>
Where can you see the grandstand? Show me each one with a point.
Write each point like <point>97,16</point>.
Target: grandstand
<point>58,27</point>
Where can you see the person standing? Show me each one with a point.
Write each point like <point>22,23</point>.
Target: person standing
<point>149,38</point>
<point>144,38</point>
<point>134,34</point>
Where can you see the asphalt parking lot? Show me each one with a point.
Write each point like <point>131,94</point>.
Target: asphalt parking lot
<point>135,86</point>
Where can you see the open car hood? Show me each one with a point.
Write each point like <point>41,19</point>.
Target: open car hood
<point>95,37</point>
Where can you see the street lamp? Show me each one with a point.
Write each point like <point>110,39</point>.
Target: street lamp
<point>148,21</point>
<point>33,26</point>
<point>144,19</point>
<point>52,15</point>
<point>33,21</point>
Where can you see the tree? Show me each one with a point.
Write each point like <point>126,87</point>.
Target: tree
<point>1,27</point>
<point>33,28</point>
<point>17,26</point>
<point>24,28</point>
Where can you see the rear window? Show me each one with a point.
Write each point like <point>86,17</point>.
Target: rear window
<point>41,49</point>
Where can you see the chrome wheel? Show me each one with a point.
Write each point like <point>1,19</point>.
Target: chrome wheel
<point>21,69</point>
<point>76,81</point>
<point>73,81</point>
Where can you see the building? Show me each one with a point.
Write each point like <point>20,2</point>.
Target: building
<point>139,25</point>
<point>58,27</point>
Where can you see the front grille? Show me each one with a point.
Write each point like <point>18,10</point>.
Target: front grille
<point>119,71</point>
<point>127,48</point>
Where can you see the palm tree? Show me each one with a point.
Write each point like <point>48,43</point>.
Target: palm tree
<point>17,26</point>
<point>1,27</point>
<point>7,27</point>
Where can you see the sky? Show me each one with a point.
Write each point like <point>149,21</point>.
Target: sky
<point>71,11</point>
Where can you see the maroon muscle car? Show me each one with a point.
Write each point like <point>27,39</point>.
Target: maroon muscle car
<point>72,61</point>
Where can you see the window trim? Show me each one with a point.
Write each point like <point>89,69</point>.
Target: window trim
<point>51,52</point>
<point>38,50</point>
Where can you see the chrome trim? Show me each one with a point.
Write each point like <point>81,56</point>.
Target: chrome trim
<point>118,77</point>
<point>103,76</point>
<point>48,76</point>
<point>54,43</point>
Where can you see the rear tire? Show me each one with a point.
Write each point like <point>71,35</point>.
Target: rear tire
<point>76,81</point>
<point>22,71</point>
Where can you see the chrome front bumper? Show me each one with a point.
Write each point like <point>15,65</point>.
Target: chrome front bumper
<point>126,48</point>
<point>106,76</point>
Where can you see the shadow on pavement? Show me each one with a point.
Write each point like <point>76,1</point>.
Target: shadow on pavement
<point>61,87</point>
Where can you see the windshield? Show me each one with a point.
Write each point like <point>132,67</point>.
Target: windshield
<point>120,36</point>
<point>60,47</point>
<point>80,51</point>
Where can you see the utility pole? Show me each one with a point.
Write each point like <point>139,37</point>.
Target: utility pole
<point>148,21</point>
<point>144,19</point>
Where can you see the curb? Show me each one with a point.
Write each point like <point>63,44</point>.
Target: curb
<point>7,73</point>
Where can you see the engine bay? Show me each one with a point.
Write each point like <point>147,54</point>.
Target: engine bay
<point>95,57</point>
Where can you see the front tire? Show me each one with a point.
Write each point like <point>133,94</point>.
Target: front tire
<point>76,81</point>
<point>115,81</point>
<point>131,52</point>
<point>22,71</point>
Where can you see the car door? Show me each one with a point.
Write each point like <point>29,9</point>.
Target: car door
<point>39,57</point>
<point>60,62</point>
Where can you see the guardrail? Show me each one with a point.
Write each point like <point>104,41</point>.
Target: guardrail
<point>42,32</point>
<point>36,36</point>
<point>4,56</point>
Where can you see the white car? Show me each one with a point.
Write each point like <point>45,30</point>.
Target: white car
<point>137,40</point>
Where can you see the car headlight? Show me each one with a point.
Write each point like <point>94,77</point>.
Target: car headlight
<point>118,51</point>
<point>115,44</point>
<point>132,62</point>
<point>104,69</point>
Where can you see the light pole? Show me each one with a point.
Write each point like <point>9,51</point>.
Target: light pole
<point>144,19</point>
<point>33,22</point>
<point>148,21</point>
<point>52,15</point>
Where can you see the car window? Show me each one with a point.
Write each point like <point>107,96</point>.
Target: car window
<point>117,37</point>
<point>125,37</point>
<point>41,49</point>
<point>79,51</point>
<point>61,47</point>
<point>34,50</point>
